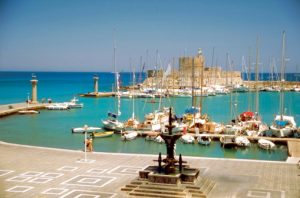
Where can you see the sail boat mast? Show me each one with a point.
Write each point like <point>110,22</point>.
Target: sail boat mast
<point>282,75</point>
<point>256,77</point>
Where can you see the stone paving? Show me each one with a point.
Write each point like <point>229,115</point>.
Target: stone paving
<point>27,171</point>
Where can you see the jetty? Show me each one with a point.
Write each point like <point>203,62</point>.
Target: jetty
<point>10,109</point>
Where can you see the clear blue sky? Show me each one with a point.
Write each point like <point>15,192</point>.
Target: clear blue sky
<point>77,35</point>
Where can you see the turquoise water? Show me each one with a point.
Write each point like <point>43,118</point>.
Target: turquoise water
<point>53,128</point>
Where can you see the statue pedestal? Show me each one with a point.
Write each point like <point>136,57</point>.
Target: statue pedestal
<point>154,175</point>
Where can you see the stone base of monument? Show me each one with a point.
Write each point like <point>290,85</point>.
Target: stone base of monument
<point>154,175</point>
<point>150,184</point>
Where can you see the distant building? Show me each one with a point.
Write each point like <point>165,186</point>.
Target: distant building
<point>189,74</point>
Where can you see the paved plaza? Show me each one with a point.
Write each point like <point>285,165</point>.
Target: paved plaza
<point>27,171</point>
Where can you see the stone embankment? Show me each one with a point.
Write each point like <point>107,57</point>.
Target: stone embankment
<point>10,109</point>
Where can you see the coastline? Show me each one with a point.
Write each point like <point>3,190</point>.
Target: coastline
<point>290,160</point>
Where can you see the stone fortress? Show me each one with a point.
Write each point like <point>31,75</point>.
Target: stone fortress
<point>191,68</point>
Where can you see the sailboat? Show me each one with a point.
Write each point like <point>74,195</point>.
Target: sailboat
<point>132,123</point>
<point>283,125</point>
<point>112,122</point>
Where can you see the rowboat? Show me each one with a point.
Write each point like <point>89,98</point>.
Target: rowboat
<point>102,134</point>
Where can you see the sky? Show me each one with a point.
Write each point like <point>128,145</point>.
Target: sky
<point>80,35</point>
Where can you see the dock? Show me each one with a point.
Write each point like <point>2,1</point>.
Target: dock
<point>10,109</point>
<point>98,94</point>
<point>28,171</point>
<point>294,148</point>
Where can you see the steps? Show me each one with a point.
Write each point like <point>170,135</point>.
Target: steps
<point>145,189</point>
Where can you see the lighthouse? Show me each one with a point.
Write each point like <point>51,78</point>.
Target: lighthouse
<point>96,78</point>
<point>34,82</point>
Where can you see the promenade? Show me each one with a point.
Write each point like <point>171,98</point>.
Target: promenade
<point>27,171</point>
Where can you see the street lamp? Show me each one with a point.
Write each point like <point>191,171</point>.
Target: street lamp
<point>85,142</point>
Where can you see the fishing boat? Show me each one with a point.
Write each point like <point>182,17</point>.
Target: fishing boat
<point>283,125</point>
<point>73,103</point>
<point>187,138</point>
<point>28,111</point>
<point>204,139</point>
<point>227,142</point>
<point>102,134</point>
<point>266,144</point>
<point>129,135</point>
<point>88,129</point>
<point>242,141</point>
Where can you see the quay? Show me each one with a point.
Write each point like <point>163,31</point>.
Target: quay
<point>27,171</point>
<point>10,109</point>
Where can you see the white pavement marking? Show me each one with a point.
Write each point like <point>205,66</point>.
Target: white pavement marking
<point>52,175</point>
<point>55,191</point>
<point>125,170</point>
<point>31,174</point>
<point>5,172</point>
<point>91,181</point>
<point>40,180</point>
<point>67,168</point>
<point>85,193</point>
<point>20,189</point>
<point>96,171</point>
<point>19,178</point>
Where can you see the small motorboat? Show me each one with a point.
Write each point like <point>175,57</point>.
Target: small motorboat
<point>129,135</point>
<point>102,134</point>
<point>266,144</point>
<point>242,141</point>
<point>88,129</point>
<point>58,106</point>
<point>204,139</point>
<point>73,103</point>
<point>187,138</point>
<point>23,112</point>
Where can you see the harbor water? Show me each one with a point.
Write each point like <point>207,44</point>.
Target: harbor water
<point>53,128</point>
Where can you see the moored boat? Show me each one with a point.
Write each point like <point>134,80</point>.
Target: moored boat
<point>204,139</point>
<point>266,144</point>
<point>187,138</point>
<point>129,135</point>
<point>73,103</point>
<point>28,112</point>
<point>102,134</point>
<point>57,106</point>
<point>88,129</point>
<point>242,141</point>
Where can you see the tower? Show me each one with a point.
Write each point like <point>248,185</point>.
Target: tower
<point>34,82</point>
<point>96,78</point>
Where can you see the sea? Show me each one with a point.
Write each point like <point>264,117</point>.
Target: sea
<point>53,128</point>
